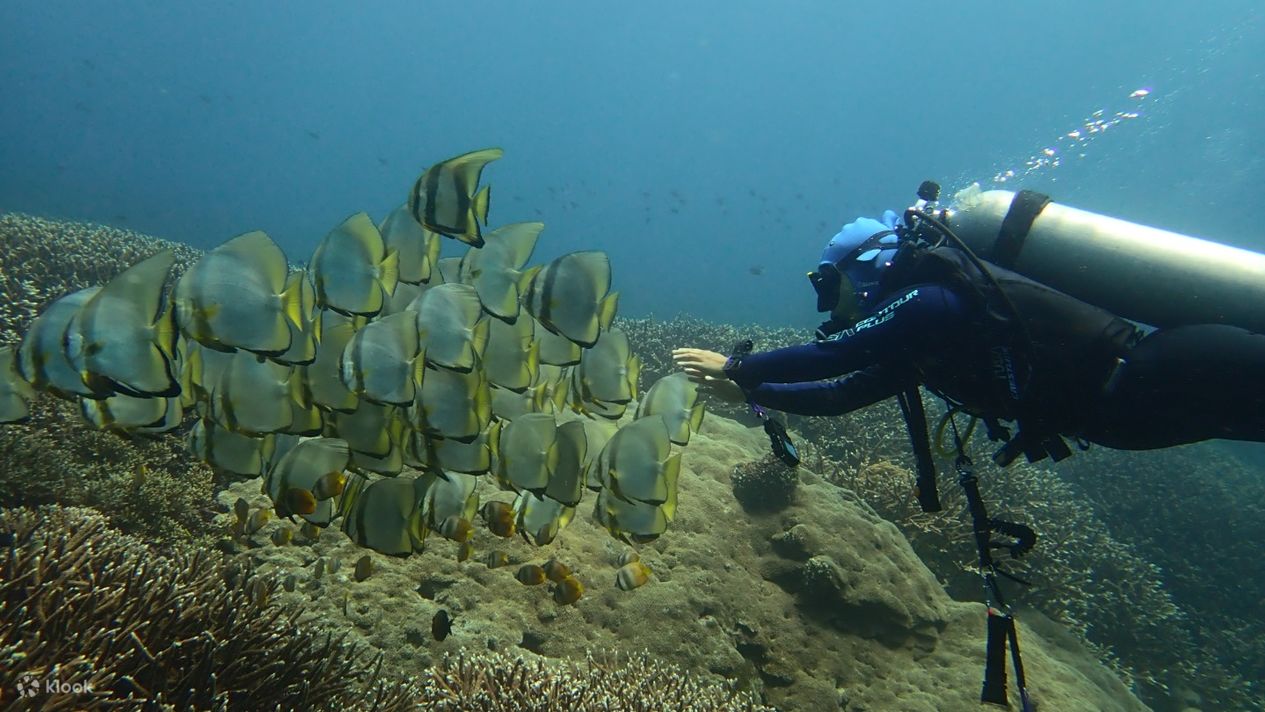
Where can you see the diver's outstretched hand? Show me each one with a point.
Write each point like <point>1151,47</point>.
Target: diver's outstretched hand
<point>698,363</point>
<point>707,369</point>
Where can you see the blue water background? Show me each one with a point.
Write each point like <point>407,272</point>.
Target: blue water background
<point>699,143</point>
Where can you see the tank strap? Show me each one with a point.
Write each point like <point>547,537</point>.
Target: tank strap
<point>1024,209</point>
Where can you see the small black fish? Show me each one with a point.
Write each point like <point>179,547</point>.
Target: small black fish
<point>756,270</point>
<point>382,160</point>
<point>441,625</point>
<point>314,136</point>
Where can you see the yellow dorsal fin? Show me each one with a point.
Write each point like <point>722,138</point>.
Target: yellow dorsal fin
<point>533,361</point>
<point>479,336</point>
<point>634,375</point>
<point>483,402</point>
<point>696,416</point>
<point>606,312</point>
<point>479,204</point>
<point>166,333</point>
<point>389,271</point>
<point>671,472</point>
<point>525,278</point>
<point>292,299</point>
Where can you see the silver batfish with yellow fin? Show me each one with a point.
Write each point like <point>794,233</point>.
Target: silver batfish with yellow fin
<point>451,326</point>
<point>237,296</point>
<point>638,464</point>
<point>123,413</point>
<point>254,395</point>
<point>42,359</point>
<point>352,270</point>
<point>303,468</point>
<point>608,372</point>
<point>324,374</point>
<point>125,333</point>
<point>386,516</point>
<point>417,247</point>
<point>382,362</point>
<point>511,357</point>
<point>571,296</point>
<point>447,199</point>
<point>675,398</point>
<point>495,271</point>
<point>453,404</point>
<point>227,451</point>
<point>15,392</point>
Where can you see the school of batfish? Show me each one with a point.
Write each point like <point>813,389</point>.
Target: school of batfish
<point>377,385</point>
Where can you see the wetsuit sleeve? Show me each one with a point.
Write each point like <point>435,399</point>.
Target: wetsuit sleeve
<point>836,397</point>
<point>917,321</point>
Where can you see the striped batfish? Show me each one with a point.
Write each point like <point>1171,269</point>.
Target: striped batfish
<point>447,198</point>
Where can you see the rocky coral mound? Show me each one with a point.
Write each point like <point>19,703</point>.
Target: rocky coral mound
<point>820,606</point>
<point>764,485</point>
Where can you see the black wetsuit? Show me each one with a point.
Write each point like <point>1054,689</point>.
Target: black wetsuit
<point>1174,386</point>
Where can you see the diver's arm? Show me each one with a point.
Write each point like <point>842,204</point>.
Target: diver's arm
<point>837,397</point>
<point>914,321</point>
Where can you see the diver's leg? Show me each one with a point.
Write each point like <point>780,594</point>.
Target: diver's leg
<point>1184,385</point>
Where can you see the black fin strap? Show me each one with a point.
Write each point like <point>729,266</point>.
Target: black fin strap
<point>999,627</point>
<point>1024,209</point>
<point>920,440</point>
<point>1002,630</point>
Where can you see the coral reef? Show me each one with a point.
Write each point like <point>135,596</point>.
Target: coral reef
<point>818,606</point>
<point>146,486</point>
<point>1086,575</point>
<point>489,682</point>
<point>105,620</point>
<point>1198,513</point>
<point>765,485</point>
<point>42,259</point>
<point>1160,598</point>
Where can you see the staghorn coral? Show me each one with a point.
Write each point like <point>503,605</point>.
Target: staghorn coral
<point>146,486</point>
<point>488,682</point>
<point>1206,545</point>
<point>42,259</point>
<point>116,625</point>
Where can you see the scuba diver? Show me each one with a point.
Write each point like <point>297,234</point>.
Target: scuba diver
<point>911,305</point>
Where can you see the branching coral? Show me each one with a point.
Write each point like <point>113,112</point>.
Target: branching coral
<point>114,624</point>
<point>495,683</point>
<point>43,259</point>
<point>148,486</point>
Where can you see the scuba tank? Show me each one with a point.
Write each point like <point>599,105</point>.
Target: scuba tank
<point>1145,274</point>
